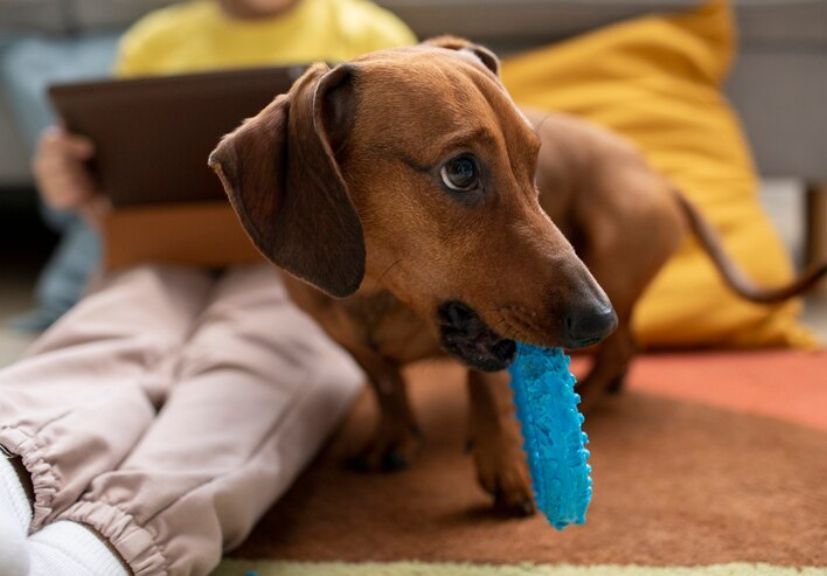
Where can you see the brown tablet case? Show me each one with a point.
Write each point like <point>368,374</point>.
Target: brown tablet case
<point>152,138</point>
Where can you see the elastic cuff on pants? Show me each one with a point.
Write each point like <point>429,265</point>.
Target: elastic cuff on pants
<point>135,544</point>
<point>45,481</point>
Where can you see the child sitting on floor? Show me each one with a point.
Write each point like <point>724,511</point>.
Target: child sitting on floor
<point>151,427</point>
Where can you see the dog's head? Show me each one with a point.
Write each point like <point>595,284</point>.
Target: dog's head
<point>411,170</point>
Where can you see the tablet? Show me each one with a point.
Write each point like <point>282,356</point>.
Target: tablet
<point>153,135</point>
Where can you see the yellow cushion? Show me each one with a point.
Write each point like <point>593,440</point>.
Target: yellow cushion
<point>656,80</point>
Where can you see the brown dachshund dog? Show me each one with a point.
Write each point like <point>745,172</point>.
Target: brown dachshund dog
<point>419,212</point>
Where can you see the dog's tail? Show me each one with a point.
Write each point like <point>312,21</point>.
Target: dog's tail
<point>734,276</point>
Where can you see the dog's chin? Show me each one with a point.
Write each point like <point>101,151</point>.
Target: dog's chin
<point>464,335</point>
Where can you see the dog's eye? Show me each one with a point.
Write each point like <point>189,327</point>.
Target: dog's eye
<point>460,174</point>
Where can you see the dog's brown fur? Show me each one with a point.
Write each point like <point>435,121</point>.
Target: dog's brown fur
<point>338,182</point>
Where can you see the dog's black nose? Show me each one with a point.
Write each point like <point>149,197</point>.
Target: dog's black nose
<point>587,325</point>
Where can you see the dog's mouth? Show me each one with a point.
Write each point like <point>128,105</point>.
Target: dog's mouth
<point>464,334</point>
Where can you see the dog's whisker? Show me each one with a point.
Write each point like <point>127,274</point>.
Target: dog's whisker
<point>385,273</point>
<point>518,331</point>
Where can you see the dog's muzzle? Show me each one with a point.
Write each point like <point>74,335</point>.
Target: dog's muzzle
<point>464,334</point>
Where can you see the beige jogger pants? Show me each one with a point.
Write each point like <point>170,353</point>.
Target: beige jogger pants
<point>169,409</point>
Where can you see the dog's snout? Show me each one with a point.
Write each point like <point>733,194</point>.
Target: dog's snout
<point>589,324</point>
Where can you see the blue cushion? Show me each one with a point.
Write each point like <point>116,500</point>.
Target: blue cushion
<point>27,67</point>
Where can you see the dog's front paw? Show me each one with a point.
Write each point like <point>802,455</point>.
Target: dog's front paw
<point>593,390</point>
<point>502,471</point>
<point>392,448</point>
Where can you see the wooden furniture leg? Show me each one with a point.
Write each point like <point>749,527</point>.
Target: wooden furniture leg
<point>817,227</point>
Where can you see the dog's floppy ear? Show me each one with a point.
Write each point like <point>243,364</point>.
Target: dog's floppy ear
<point>483,54</point>
<point>283,181</point>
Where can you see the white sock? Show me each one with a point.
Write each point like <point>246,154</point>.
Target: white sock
<point>70,549</point>
<point>15,518</point>
<point>14,502</point>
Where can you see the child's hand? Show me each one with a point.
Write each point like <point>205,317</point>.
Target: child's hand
<point>62,176</point>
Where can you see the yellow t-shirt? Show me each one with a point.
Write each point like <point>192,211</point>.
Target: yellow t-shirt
<point>199,35</point>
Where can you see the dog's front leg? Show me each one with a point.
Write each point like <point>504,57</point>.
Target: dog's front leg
<point>396,439</point>
<point>496,443</point>
<point>611,362</point>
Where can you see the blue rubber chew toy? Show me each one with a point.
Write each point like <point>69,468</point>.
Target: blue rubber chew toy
<point>552,433</point>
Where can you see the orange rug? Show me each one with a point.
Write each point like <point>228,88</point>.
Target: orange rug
<point>790,385</point>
